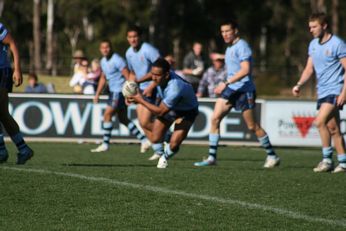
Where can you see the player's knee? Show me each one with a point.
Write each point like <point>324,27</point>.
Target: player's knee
<point>215,120</point>
<point>319,123</point>
<point>333,130</point>
<point>252,127</point>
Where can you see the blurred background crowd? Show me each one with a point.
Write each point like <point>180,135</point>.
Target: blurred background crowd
<point>64,43</point>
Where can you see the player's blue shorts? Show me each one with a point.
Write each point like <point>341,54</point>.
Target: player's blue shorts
<point>331,99</point>
<point>6,80</point>
<point>171,116</point>
<point>116,100</point>
<point>240,100</point>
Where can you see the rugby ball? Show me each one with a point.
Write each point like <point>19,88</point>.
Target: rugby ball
<point>129,88</point>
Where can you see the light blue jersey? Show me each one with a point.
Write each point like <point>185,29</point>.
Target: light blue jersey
<point>326,61</point>
<point>4,61</point>
<point>235,54</point>
<point>112,69</point>
<point>178,95</point>
<point>140,61</point>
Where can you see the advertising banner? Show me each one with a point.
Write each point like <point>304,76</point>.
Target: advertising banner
<point>66,117</point>
<point>290,123</point>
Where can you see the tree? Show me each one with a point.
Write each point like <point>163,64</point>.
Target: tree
<point>49,37</point>
<point>37,34</point>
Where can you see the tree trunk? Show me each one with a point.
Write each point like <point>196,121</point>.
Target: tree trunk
<point>335,16</point>
<point>37,34</point>
<point>2,3</point>
<point>49,39</point>
<point>158,29</point>
<point>318,6</point>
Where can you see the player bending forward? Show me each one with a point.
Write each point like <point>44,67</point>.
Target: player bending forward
<point>178,105</point>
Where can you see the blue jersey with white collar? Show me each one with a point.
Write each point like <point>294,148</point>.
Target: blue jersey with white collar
<point>140,61</point>
<point>235,54</point>
<point>4,61</point>
<point>326,61</point>
<point>112,69</point>
<point>178,95</point>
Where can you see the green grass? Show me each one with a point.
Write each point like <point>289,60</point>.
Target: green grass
<point>61,83</point>
<point>52,201</point>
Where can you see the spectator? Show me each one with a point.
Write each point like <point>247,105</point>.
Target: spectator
<point>193,65</point>
<point>92,77</point>
<point>171,60</point>
<point>211,78</point>
<point>79,76</point>
<point>34,86</point>
<point>78,57</point>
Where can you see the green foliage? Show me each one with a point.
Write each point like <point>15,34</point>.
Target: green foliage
<point>167,21</point>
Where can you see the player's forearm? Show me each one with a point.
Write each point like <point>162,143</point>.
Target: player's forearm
<point>151,107</point>
<point>145,78</point>
<point>15,54</point>
<point>305,76</point>
<point>100,86</point>
<point>238,76</point>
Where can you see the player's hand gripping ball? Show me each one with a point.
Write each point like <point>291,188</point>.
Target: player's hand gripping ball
<point>129,88</point>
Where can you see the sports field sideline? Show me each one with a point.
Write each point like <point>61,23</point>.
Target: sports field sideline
<point>65,187</point>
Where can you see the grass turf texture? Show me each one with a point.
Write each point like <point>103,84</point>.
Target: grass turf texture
<point>46,201</point>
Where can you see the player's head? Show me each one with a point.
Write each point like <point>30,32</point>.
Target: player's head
<point>229,31</point>
<point>106,48</point>
<point>318,24</point>
<point>134,34</point>
<point>160,71</point>
<point>197,48</point>
<point>32,79</point>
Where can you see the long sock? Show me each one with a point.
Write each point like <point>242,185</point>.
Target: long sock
<point>158,148</point>
<point>265,142</point>
<point>22,147</point>
<point>169,153</point>
<point>107,130</point>
<point>168,136</point>
<point>3,150</point>
<point>213,144</point>
<point>342,160</point>
<point>327,153</point>
<point>134,131</point>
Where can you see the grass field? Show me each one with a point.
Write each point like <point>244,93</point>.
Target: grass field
<point>65,187</point>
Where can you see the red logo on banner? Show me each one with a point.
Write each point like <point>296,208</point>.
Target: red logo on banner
<point>303,124</point>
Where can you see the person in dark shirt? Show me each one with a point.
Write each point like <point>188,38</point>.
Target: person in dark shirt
<point>34,86</point>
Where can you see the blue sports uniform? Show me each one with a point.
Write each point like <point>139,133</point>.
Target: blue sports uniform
<point>241,94</point>
<point>180,98</point>
<point>5,66</point>
<point>112,69</point>
<point>140,62</point>
<point>329,71</point>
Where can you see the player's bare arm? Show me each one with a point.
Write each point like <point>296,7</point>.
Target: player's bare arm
<point>342,96</point>
<point>126,73</point>
<point>244,71</point>
<point>149,90</point>
<point>305,76</point>
<point>17,72</point>
<point>100,86</point>
<point>145,78</point>
<point>156,110</point>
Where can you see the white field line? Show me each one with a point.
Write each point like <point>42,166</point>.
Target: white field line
<point>244,204</point>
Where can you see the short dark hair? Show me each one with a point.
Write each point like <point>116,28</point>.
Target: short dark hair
<point>106,41</point>
<point>163,64</point>
<point>321,17</point>
<point>231,22</point>
<point>134,28</point>
<point>32,75</point>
